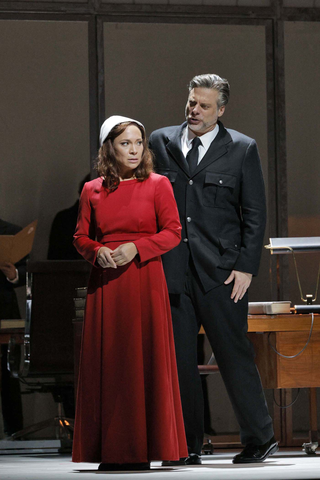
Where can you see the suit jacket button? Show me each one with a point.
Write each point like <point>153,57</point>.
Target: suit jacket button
<point>188,219</point>
<point>190,182</point>
<point>221,182</point>
<point>185,240</point>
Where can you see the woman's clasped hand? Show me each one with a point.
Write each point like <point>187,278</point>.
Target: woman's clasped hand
<point>118,257</point>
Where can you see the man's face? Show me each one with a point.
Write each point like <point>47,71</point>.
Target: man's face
<point>202,111</point>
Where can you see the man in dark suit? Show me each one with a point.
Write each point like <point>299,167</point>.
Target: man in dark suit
<point>11,276</point>
<point>218,185</point>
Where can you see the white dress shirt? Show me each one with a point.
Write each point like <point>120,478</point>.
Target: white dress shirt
<point>206,140</point>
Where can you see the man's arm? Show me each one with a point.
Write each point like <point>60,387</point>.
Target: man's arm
<point>253,212</point>
<point>253,209</point>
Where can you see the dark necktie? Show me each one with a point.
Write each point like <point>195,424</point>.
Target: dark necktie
<point>193,154</point>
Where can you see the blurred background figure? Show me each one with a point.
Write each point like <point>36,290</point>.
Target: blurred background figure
<point>11,276</point>
<point>62,231</point>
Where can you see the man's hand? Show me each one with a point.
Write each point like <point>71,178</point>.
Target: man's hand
<point>242,282</point>
<point>104,258</point>
<point>9,270</point>
<point>124,253</point>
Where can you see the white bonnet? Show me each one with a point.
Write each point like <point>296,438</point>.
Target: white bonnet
<point>111,122</point>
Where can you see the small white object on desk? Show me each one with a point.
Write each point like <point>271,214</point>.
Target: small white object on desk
<point>269,308</point>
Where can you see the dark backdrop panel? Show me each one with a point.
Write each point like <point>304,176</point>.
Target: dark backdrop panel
<point>302,75</point>
<point>44,120</point>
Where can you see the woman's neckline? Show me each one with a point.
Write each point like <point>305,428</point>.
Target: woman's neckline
<point>128,182</point>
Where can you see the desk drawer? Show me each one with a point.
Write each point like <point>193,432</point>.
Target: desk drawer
<point>278,372</point>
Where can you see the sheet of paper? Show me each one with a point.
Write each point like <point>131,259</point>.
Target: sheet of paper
<point>14,247</point>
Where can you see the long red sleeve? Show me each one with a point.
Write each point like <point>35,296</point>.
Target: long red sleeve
<point>169,235</point>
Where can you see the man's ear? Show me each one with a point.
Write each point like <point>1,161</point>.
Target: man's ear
<point>221,111</point>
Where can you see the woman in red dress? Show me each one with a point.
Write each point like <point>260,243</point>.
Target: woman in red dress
<point>128,405</point>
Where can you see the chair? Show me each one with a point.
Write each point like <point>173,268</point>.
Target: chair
<point>46,362</point>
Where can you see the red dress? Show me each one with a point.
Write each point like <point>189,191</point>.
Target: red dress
<point>128,404</point>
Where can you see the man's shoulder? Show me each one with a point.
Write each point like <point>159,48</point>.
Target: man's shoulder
<point>165,131</point>
<point>239,137</point>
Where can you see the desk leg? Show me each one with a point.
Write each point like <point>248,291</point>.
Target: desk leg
<point>277,420</point>
<point>282,417</point>
<point>287,412</point>
<point>313,415</point>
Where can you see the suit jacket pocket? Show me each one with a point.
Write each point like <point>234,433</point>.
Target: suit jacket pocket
<point>229,252</point>
<point>170,174</point>
<point>218,189</point>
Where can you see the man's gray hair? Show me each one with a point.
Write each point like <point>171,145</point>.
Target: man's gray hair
<point>210,80</point>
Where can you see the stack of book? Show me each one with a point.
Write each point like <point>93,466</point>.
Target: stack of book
<point>79,302</point>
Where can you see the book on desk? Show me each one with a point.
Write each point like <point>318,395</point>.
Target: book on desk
<point>12,323</point>
<point>269,308</point>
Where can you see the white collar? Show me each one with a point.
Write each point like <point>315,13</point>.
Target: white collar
<point>206,139</point>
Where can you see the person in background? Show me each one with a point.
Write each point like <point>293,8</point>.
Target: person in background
<point>11,277</point>
<point>62,229</point>
<point>218,185</point>
<point>128,410</point>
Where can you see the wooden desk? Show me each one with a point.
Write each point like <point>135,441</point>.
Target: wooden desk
<point>288,334</point>
<point>282,323</point>
<point>7,333</point>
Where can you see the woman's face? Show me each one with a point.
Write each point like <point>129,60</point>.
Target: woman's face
<point>128,148</point>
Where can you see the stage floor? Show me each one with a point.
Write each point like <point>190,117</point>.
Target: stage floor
<point>285,465</point>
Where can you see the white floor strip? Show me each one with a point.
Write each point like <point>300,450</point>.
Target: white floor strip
<point>282,466</point>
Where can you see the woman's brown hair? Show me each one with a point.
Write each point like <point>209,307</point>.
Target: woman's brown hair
<point>109,168</point>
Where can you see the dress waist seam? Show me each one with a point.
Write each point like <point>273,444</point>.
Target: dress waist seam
<point>122,237</point>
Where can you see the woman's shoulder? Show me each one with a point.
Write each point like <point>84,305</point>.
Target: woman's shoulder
<point>159,183</point>
<point>94,185</point>
<point>156,178</point>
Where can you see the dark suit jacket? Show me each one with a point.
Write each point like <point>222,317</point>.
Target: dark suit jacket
<point>8,300</point>
<point>222,206</point>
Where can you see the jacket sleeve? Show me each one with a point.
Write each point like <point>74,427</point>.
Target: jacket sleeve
<point>84,237</point>
<point>253,211</point>
<point>169,227</point>
<point>21,266</point>
<point>152,147</point>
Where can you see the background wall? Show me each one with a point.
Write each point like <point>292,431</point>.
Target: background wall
<point>44,124</point>
<point>302,74</point>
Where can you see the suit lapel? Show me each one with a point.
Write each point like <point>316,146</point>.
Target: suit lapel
<point>216,150</point>
<point>174,148</point>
